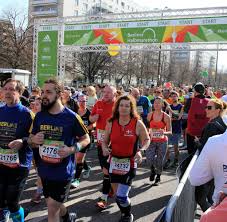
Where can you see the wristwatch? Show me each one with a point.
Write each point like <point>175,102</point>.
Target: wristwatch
<point>77,147</point>
<point>25,141</point>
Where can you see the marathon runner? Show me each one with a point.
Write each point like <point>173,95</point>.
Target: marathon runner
<point>143,104</point>
<point>196,116</point>
<point>160,127</point>
<point>15,154</point>
<point>68,101</point>
<point>80,156</point>
<point>176,113</point>
<point>101,112</point>
<point>123,131</point>
<point>91,97</point>
<point>39,190</point>
<point>56,135</point>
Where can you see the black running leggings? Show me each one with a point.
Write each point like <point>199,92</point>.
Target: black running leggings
<point>12,181</point>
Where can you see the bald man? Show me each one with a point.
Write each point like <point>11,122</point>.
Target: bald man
<point>101,112</point>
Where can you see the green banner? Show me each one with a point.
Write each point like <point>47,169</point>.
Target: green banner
<point>159,31</point>
<point>47,64</point>
<point>128,32</point>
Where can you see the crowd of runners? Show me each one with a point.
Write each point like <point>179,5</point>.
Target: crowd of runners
<point>52,128</point>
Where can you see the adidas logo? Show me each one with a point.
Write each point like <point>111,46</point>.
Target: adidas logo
<point>47,39</point>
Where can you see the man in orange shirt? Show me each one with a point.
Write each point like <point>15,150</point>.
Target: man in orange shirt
<point>166,96</point>
<point>101,112</point>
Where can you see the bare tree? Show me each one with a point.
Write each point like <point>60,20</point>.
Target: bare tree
<point>90,65</point>
<point>16,48</point>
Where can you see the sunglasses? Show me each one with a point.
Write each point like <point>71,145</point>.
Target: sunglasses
<point>209,107</point>
<point>157,92</point>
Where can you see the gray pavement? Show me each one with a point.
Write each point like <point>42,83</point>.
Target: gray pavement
<point>148,200</point>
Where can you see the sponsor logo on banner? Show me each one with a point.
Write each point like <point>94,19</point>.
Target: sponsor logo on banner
<point>46,58</point>
<point>47,38</point>
<point>46,49</point>
<point>140,37</point>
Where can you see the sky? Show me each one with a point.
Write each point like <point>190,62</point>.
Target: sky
<point>148,4</point>
<point>177,4</point>
<point>18,4</point>
<point>151,4</point>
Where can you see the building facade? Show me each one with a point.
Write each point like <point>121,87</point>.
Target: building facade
<point>63,8</point>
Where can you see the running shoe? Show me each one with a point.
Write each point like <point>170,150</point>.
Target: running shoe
<point>36,198</point>
<point>86,173</point>
<point>111,193</point>
<point>4,215</point>
<point>127,218</point>
<point>72,217</point>
<point>26,212</point>
<point>157,179</point>
<point>152,176</point>
<point>75,183</point>
<point>102,204</point>
<point>167,164</point>
<point>176,162</point>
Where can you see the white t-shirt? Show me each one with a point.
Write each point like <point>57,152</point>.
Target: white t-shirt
<point>224,98</point>
<point>212,163</point>
<point>91,102</point>
<point>2,103</point>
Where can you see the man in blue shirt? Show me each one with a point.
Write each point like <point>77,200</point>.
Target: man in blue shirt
<point>143,104</point>
<point>15,154</point>
<point>176,113</point>
<point>58,133</point>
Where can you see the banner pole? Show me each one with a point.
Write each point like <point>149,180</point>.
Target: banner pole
<point>216,69</point>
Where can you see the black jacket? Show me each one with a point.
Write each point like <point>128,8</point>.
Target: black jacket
<point>214,127</point>
<point>73,105</point>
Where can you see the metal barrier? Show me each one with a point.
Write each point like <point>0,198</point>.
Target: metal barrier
<point>181,206</point>
<point>161,216</point>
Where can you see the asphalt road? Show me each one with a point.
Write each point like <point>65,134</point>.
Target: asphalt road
<point>148,200</point>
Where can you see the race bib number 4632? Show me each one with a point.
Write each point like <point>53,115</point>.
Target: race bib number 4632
<point>119,166</point>
<point>9,157</point>
<point>49,151</point>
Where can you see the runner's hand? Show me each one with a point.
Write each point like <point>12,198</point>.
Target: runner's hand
<point>16,144</point>
<point>65,151</point>
<point>95,117</point>
<point>196,139</point>
<point>138,157</point>
<point>38,138</point>
<point>221,197</point>
<point>105,152</point>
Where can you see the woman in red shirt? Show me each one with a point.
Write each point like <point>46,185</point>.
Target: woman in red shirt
<point>160,127</point>
<point>123,133</point>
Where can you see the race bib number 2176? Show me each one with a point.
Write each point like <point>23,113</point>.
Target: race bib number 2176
<point>49,151</point>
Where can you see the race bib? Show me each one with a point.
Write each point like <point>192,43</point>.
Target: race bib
<point>119,166</point>
<point>176,112</point>
<point>100,135</point>
<point>9,157</point>
<point>185,116</point>
<point>49,151</point>
<point>157,134</point>
<point>140,109</point>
